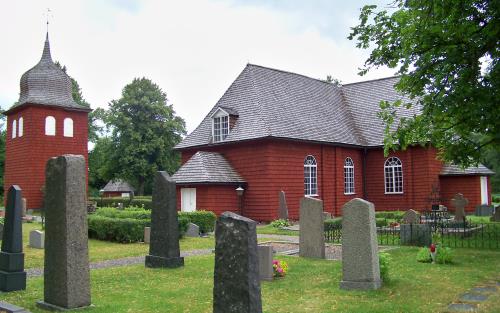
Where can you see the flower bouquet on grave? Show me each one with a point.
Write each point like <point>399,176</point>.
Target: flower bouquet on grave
<point>432,249</point>
<point>280,268</point>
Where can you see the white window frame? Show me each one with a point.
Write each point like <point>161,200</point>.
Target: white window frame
<point>220,125</point>
<point>20,126</point>
<point>50,126</point>
<point>349,176</point>
<point>485,199</point>
<point>393,176</point>
<point>310,176</point>
<point>14,129</point>
<point>68,127</point>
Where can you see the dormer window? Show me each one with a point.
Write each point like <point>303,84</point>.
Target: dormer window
<point>221,123</point>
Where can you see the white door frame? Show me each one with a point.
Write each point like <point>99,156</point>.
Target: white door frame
<point>484,190</point>
<point>188,199</point>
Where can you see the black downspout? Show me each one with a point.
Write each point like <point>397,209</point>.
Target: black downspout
<point>365,193</point>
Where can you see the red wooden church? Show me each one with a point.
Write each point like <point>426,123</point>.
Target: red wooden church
<point>274,130</point>
<point>44,123</point>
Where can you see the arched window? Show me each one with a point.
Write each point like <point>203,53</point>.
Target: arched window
<point>393,174</point>
<point>14,128</point>
<point>21,131</point>
<point>310,176</point>
<point>68,127</point>
<point>50,126</point>
<point>348,176</point>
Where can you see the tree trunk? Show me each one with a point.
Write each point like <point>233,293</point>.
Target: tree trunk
<point>141,186</point>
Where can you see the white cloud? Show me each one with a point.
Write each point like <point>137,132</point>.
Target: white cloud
<point>192,49</point>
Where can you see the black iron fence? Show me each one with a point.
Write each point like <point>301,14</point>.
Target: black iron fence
<point>448,233</point>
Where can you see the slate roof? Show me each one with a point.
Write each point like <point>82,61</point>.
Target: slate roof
<point>118,185</point>
<point>46,84</point>
<point>275,103</point>
<point>455,170</point>
<point>207,167</point>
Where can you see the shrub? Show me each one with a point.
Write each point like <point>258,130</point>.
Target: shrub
<point>2,220</point>
<point>395,215</point>
<point>384,262</point>
<point>333,223</point>
<point>145,203</point>
<point>204,219</point>
<point>116,229</point>
<point>381,222</point>
<point>132,212</point>
<point>424,255</point>
<point>280,223</point>
<point>444,255</point>
<point>495,198</point>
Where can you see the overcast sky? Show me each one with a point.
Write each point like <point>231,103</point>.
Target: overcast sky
<point>192,49</point>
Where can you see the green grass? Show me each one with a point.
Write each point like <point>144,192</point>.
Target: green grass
<point>269,230</point>
<point>311,286</point>
<point>480,219</point>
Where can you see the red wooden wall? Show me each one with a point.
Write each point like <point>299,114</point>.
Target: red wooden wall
<point>27,156</point>
<point>469,186</point>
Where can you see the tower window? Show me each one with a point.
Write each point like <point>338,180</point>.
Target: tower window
<point>21,131</point>
<point>14,128</point>
<point>68,127</point>
<point>50,126</point>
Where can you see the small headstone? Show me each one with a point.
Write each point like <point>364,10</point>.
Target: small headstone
<point>327,216</point>
<point>10,308</point>
<point>416,234</point>
<point>193,230</point>
<point>496,216</point>
<point>360,263</point>
<point>283,209</point>
<point>23,210</point>
<point>411,217</point>
<point>120,206</point>
<point>462,307</point>
<point>37,239</point>
<point>164,247</point>
<point>484,210</point>
<point>459,202</point>
<point>147,234</point>
<point>66,270</point>
<point>311,235</point>
<point>236,272</point>
<point>265,262</point>
<point>12,274</point>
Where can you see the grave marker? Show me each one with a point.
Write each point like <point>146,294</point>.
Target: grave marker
<point>360,263</point>
<point>265,262</point>
<point>37,239</point>
<point>193,230</point>
<point>312,236</point>
<point>411,217</point>
<point>459,202</point>
<point>283,209</point>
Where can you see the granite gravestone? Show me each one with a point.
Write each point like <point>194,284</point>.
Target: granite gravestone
<point>459,202</point>
<point>311,236</point>
<point>484,210</point>
<point>37,239</point>
<point>147,234</point>
<point>265,262</point>
<point>164,246</point>
<point>416,234</point>
<point>360,263</point>
<point>283,209</point>
<point>411,217</point>
<point>12,274</point>
<point>496,215</point>
<point>236,272</point>
<point>66,268</point>
<point>193,230</point>
<point>23,207</point>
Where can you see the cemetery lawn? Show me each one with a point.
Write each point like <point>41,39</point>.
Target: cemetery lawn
<point>270,230</point>
<point>311,286</point>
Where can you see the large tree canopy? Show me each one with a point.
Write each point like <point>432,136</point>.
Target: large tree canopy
<point>144,131</point>
<point>447,53</point>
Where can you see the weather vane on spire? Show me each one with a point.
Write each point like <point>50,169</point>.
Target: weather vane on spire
<point>47,15</point>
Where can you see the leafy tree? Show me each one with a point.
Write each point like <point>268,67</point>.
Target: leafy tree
<point>144,131</point>
<point>101,168</point>
<point>332,80</point>
<point>447,53</point>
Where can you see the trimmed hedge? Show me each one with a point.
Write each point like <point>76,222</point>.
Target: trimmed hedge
<point>495,198</point>
<point>204,219</point>
<point>131,212</point>
<point>395,215</point>
<point>333,223</point>
<point>145,203</point>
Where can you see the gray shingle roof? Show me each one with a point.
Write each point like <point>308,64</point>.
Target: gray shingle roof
<point>455,170</point>
<point>118,185</point>
<point>207,167</point>
<point>274,103</point>
<point>46,84</point>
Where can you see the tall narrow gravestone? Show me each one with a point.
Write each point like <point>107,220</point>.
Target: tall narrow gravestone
<point>360,264</point>
<point>66,268</point>
<point>164,235</point>
<point>312,235</point>
<point>12,274</point>
<point>236,273</point>
<point>283,209</point>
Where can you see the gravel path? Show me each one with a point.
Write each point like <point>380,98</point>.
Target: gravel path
<point>280,237</point>
<point>35,272</point>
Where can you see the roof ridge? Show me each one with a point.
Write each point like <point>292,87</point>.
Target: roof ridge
<point>371,80</point>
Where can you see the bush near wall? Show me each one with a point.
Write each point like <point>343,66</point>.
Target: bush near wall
<point>145,203</point>
<point>204,219</point>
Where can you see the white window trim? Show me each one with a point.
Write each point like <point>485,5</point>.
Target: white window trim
<point>14,129</point>
<point>315,166</point>
<point>393,178</point>
<point>20,126</point>
<point>219,113</point>
<point>353,176</point>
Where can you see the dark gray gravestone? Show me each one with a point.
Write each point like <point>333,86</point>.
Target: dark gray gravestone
<point>6,307</point>
<point>265,254</point>
<point>496,215</point>
<point>283,209</point>
<point>12,274</point>
<point>164,239</point>
<point>484,210</point>
<point>360,264</point>
<point>236,273</point>
<point>416,234</point>
<point>66,268</point>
